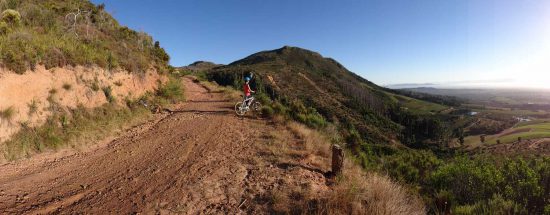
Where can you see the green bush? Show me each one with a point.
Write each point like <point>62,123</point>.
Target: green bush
<point>4,28</point>
<point>279,108</point>
<point>11,17</point>
<point>411,166</point>
<point>108,91</point>
<point>469,180</point>
<point>267,111</point>
<point>496,205</point>
<point>171,91</point>
<point>474,180</point>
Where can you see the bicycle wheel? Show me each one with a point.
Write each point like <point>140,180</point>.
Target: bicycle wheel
<point>240,109</point>
<point>257,106</point>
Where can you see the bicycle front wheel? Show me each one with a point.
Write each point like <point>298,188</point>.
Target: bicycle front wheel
<point>240,109</point>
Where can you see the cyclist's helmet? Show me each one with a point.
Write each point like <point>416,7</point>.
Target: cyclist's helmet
<point>247,78</point>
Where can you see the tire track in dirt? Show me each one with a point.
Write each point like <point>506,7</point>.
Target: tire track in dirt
<point>194,160</point>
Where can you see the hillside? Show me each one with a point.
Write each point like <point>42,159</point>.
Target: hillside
<point>295,76</point>
<point>74,32</point>
<point>62,57</point>
<point>199,66</point>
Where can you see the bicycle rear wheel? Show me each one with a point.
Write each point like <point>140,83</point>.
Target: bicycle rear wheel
<point>257,106</point>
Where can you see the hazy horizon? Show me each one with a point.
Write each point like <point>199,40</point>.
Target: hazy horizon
<point>386,42</point>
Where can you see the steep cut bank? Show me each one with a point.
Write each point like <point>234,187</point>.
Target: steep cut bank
<point>31,95</point>
<point>201,159</point>
<point>56,56</point>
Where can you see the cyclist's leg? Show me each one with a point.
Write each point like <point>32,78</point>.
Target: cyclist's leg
<point>246,100</point>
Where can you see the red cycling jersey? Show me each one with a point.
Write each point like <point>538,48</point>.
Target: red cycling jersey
<point>246,89</point>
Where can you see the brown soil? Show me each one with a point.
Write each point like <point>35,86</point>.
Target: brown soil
<point>201,158</point>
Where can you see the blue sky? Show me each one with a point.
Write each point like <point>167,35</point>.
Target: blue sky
<point>494,42</point>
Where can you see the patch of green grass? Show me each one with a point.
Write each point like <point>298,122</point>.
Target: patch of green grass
<point>526,132</point>
<point>524,136</point>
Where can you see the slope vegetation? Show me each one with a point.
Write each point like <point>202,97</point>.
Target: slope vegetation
<point>74,32</point>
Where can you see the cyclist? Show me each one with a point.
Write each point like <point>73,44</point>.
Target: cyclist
<point>247,91</point>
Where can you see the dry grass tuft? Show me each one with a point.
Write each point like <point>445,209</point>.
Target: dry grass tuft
<point>7,114</point>
<point>353,192</point>
<point>359,193</point>
<point>313,141</point>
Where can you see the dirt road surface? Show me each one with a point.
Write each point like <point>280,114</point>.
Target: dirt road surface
<point>199,159</point>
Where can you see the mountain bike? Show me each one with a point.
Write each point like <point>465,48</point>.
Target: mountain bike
<point>246,105</point>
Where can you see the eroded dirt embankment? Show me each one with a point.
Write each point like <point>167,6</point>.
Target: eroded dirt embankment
<point>68,87</point>
<point>199,159</point>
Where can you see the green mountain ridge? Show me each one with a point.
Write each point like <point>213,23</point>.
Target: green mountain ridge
<point>339,95</point>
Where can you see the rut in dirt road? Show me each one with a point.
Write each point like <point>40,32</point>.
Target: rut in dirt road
<point>197,159</point>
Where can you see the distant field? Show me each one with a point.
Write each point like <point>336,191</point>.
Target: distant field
<point>514,112</point>
<point>526,130</point>
<point>419,106</point>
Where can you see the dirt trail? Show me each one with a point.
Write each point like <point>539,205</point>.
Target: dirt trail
<point>199,159</point>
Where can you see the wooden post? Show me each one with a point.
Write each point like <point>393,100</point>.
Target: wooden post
<point>337,160</point>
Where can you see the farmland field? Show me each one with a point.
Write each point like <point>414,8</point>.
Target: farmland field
<point>536,129</point>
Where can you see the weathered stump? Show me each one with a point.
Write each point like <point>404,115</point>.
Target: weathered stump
<point>337,160</point>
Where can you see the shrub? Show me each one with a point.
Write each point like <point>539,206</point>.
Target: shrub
<point>4,29</point>
<point>95,85</point>
<point>468,180</point>
<point>267,111</point>
<point>7,114</point>
<point>33,107</point>
<point>108,91</point>
<point>54,57</point>
<point>495,205</point>
<point>118,83</point>
<point>411,166</point>
<point>67,86</point>
<point>11,17</point>
<point>279,108</point>
<point>315,120</point>
<point>172,90</point>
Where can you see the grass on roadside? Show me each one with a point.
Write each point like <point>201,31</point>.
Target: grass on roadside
<point>353,192</point>
<point>82,126</point>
